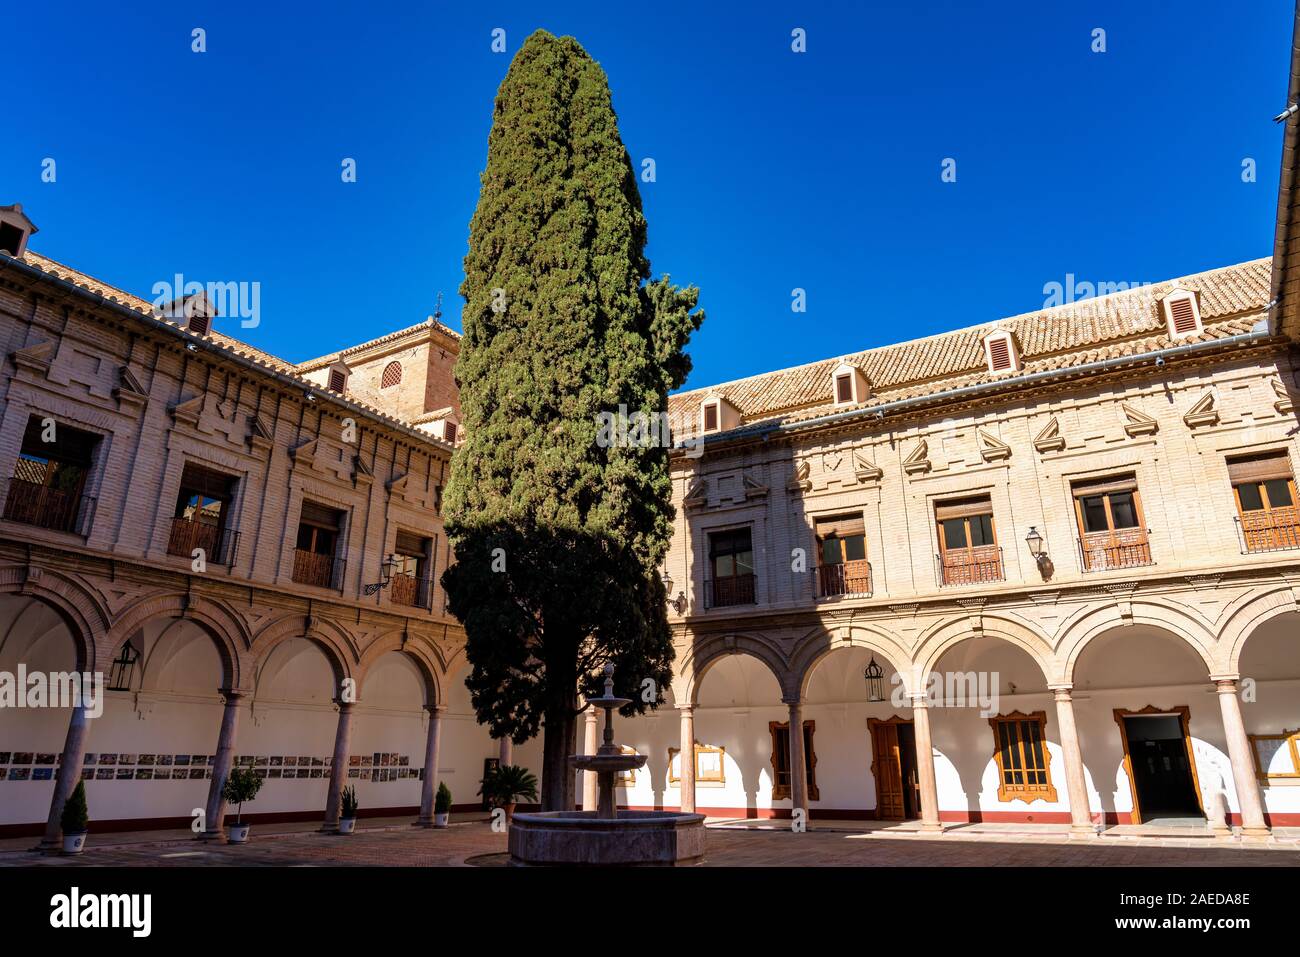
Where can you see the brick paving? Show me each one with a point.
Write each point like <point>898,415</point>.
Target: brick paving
<point>738,845</point>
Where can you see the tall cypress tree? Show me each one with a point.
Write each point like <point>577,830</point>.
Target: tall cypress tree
<point>558,535</point>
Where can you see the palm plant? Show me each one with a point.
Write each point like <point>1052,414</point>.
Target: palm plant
<point>505,784</point>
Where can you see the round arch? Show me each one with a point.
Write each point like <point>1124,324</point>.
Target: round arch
<point>227,630</point>
<point>420,655</point>
<point>81,611</point>
<point>704,656</point>
<point>331,638</point>
<point>1088,625</point>
<point>947,634</point>
<point>815,648</point>
<point>1245,617</point>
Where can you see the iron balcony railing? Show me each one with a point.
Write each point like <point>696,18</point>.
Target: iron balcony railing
<point>846,578</point>
<point>1120,548</point>
<point>724,592</point>
<point>970,566</point>
<point>1269,530</point>
<point>411,591</point>
<point>220,545</point>
<point>46,507</point>
<point>313,568</point>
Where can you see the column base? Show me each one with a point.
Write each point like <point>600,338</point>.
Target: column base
<point>935,828</point>
<point>210,836</point>
<point>1256,835</point>
<point>421,822</point>
<point>328,829</point>
<point>48,847</point>
<point>1084,832</point>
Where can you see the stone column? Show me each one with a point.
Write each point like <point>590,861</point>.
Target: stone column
<point>687,779</point>
<point>339,767</point>
<point>590,741</point>
<point>925,765</point>
<point>429,786</point>
<point>507,752</point>
<point>1243,764</point>
<point>74,752</point>
<point>798,763</point>
<point>1075,779</point>
<point>216,808</point>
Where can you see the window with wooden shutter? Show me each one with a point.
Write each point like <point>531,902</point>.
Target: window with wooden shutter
<point>392,375</point>
<point>711,417</point>
<point>842,567</point>
<point>337,380</point>
<point>1020,749</point>
<point>1112,531</point>
<point>449,431</point>
<point>780,731</point>
<point>199,324</point>
<point>1264,488</point>
<point>968,550</point>
<point>844,387</point>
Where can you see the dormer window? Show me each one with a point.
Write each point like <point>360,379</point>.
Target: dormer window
<point>193,311</point>
<point>337,378</point>
<point>709,414</point>
<point>1001,353</point>
<point>15,230</point>
<point>449,431</point>
<point>849,385</point>
<point>1182,313</point>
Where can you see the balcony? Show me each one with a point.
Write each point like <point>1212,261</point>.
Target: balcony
<point>1119,548</point>
<point>845,578</point>
<point>725,592</point>
<point>411,591</point>
<point>322,571</point>
<point>44,507</point>
<point>1269,529</point>
<point>970,566</point>
<point>220,545</point>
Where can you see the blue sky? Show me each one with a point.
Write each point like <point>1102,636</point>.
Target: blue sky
<point>775,170</point>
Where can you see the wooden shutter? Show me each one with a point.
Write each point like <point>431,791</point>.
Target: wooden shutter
<point>1102,486</point>
<point>710,416</point>
<point>963,508</point>
<point>999,354</point>
<point>322,515</point>
<point>1259,468</point>
<point>449,430</point>
<point>199,324</point>
<point>844,387</point>
<point>412,545</point>
<point>1183,315</point>
<point>337,380</point>
<point>842,526</point>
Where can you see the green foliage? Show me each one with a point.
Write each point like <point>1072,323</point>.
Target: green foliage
<point>76,815</point>
<point>442,800</point>
<point>349,801</point>
<point>561,324</point>
<point>507,783</point>
<point>242,784</point>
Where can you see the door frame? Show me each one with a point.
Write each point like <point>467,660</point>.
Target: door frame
<point>872,724</point>
<point>1184,714</point>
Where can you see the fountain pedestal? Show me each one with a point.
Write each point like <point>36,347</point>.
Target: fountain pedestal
<point>607,836</point>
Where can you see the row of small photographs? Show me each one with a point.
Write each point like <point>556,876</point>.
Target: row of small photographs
<point>281,761</point>
<point>108,774</point>
<point>29,757</point>
<point>107,758</point>
<point>386,774</point>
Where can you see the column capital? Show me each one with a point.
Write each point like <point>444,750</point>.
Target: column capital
<point>1225,684</point>
<point>344,706</point>
<point>435,710</point>
<point>919,701</point>
<point>687,710</point>
<point>231,694</point>
<point>792,702</point>
<point>1062,692</point>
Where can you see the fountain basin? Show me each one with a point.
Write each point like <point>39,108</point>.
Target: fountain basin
<point>632,839</point>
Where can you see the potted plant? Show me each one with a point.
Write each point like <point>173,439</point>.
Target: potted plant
<point>348,820</point>
<point>442,805</point>
<point>75,818</point>
<point>504,785</point>
<point>242,784</point>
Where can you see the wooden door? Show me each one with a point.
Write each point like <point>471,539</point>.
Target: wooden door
<point>887,767</point>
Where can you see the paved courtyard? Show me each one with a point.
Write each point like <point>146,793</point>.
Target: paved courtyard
<point>736,844</point>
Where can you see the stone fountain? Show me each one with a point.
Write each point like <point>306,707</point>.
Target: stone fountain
<point>607,835</point>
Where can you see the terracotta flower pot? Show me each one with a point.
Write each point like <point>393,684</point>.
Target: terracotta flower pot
<point>510,811</point>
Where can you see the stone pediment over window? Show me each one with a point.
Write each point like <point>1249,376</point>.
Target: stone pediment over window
<point>1138,423</point>
<point>753,487</point>
<point>304,454</point>
<point>800,481</point>
<point>187,410</point>
<point>1202,412</point>
<point>361,474</point>
<point>259,435</point>
<point>1050,438</point>
<point>918,462</point>
<point>1283,403</point>
<point>36,358</point>
<point>864,469</point>
<point>991,449</point>
<point>697,494</point>
<point>129,392</point>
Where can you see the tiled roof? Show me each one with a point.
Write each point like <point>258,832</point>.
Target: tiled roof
<point>1123,323</point>
<point>135,303</point>
<point>430,323</point>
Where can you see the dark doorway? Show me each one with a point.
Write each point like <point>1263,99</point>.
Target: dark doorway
<point>1161,766</point>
